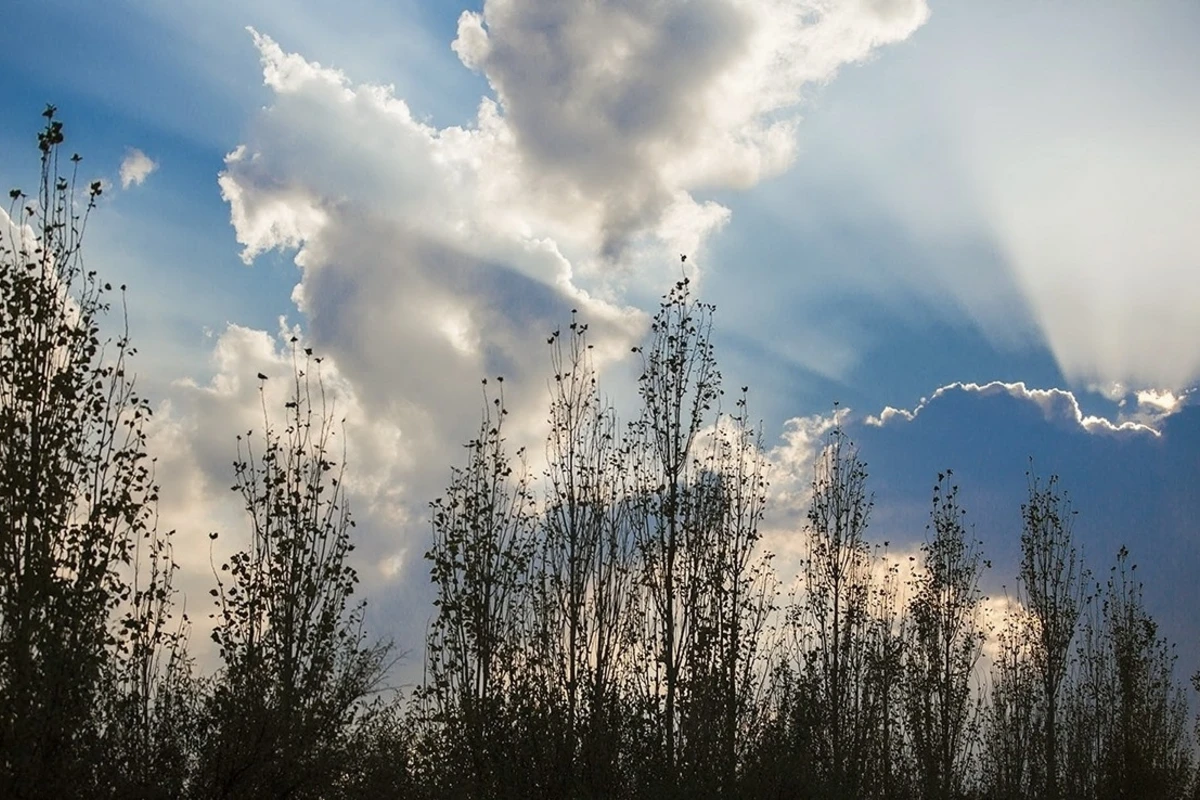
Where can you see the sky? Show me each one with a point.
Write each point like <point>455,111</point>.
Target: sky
<point>964,230</point>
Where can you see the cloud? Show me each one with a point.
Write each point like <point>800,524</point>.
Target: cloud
<point>791,462</point>
<point>1129,486</point>
<point>1055,405</point>
<point>1163,402</point>
<point>431,257</point>
<point>136,167</point>
<point>621,109</point>
<point>1046,176</point>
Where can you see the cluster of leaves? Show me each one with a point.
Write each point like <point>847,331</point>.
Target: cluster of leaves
<point>77,499</point>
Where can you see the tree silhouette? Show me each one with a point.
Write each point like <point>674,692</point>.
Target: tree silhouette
<point>838,581</point>
<point>584,570</point>
<point>947,641</point>
<point>296,664</point>
<point>480,562</point>
<point>1126,715</point>
<point>735,597</point>
<point>676,507</point>
<point>76,486</point>
<point>1011,715</point>
<point>1052,581</point>
<point>610,631</point>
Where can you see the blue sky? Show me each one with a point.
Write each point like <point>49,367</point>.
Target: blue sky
<point>883,199</point>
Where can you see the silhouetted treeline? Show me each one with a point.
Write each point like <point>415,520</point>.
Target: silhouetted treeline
<point>609,625</point>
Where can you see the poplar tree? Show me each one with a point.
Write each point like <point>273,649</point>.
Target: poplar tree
<point>1052,583</point>
<point>947,641</point>
<point>480,563</point>
<point>837,581</point>
<point>585,563</point>
<point>676,505</point>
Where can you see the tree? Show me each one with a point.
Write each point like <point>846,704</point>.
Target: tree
<point>480,562</point>
<point>151,701</point>
<point>675,511</point>
<point>1011,715</point>
<point>76,486</point>
<point>1052,580</point>
<point>734,598</point>
<point>947,641</point>
<point>584,564</point>
<point>1127,717</point>
<point>838,584</point>
<point>296,665</point>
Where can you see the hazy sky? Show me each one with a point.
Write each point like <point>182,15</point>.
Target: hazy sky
<point>971,224</point>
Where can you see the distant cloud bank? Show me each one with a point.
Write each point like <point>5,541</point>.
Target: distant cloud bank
<point>1144,415</point>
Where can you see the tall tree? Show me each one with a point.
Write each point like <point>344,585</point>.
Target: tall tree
<point>676,507</point>
<point>947,641</point>
<point>837,574</point>
<point>1011,716</point>
<point>296,664</point>
<point>886,762</point>
<point>480,563</point>
<point>1052,581</point>
<point>1127,723</point>
<point>734,598</point>
<point>585,563</point>
<point>76,486</point>
<point>152,700</point>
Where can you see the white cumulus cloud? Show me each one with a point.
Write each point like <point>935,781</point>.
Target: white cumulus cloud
<point>136,167</point>
<point>430,257</point>
<point>433,256</point>
<point>621,110</point>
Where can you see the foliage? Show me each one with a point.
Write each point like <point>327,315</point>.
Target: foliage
<point>947,641</point>
<point>296,665</point>
<point>77,500</point>
<point>613,630</point>
<point>480,563</point>
<point>1052,580</point>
